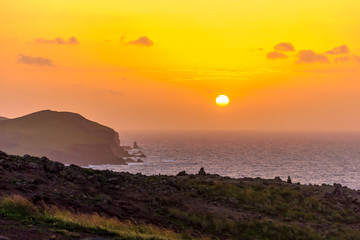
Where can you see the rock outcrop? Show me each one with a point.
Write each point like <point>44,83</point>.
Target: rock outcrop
<point>135,146</point>
<point>62,136</point>
<point>202,171</point>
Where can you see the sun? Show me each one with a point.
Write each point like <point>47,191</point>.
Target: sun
<point>222,100</point>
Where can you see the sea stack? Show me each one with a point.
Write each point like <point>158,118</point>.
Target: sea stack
<point>136,146</point>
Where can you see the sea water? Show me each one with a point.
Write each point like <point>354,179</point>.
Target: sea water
<point>308,158</point>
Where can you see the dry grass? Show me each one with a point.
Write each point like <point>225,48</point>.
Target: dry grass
<point>18,207</point>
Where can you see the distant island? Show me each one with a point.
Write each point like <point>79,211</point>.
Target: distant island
<point>43,199</point>
<point>63,136</point>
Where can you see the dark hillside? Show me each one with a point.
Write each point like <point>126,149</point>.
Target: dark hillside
<point>65,137</point>
<point>200,205</point>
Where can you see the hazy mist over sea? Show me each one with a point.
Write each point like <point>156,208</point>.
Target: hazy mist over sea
<point>307,157</point>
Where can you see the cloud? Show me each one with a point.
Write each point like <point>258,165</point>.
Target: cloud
<point>122,39</point>
<point>46,41</point>
<point>284,47</point>
<point>110,92</point>
<point>37,61</point>
<point>343,59</point>
<point>339,50</point>
<point>309,56</point>
<point>70,41</point>
<point>353,58</point>
<point>115,93</point>
<point>275,55</point>
<point>142,41</point>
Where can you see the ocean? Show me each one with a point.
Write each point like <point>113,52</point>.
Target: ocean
<point>308,158</point>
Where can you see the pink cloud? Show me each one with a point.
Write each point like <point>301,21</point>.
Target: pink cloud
<point>37,61</point>
<point>70,41</point>
<point>343,49</point>
<point>353,58</point>
<point>142,41</point>
<point>275,55</point>
<point>284,47</point>
<point>309,56</point>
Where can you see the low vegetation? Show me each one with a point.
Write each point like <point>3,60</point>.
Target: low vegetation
<point>135,206</point>
<point>269,213</point>
<point>19,208</point>
<point>287,201</point>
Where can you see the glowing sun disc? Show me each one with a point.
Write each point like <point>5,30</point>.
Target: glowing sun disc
<point>222,100</point>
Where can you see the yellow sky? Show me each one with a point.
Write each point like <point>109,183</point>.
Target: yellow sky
<point>160,64</point>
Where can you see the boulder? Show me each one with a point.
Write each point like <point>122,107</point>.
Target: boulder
<point>277,179</point>
<point>288,180</point>
<point>182,173</point>
<point>129,160</point>
<point>140,154</point>
<point>53,167</point>
<point>202,171</point>
<point>2,154</point>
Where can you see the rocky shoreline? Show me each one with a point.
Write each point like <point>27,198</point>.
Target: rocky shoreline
<point>205,206</point>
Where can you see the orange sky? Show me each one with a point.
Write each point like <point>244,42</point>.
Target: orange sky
<point>159,65</point>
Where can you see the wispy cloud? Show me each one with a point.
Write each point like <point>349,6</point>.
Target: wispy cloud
<point>122,39</point>
<point>279,49</point>
<point>355,58</point>
<point>276,55</point>
<point>72,40</point>
<point>142,41</point>
<point>284,47</point>
<point>343,59</point>
<point>110,92</point>
<point>309,56</point>
<point>343,49</point>
<point>59,40</point>
<point>37,61</point>
<point>352,58</point>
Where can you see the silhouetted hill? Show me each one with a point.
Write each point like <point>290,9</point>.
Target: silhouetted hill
<point>63,136</point>
<point>3,118</point>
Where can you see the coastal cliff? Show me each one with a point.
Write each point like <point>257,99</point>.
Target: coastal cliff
<point>63,136</point>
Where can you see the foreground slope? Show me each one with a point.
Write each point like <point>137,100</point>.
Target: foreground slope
<point>65,137</point>
<point>195,206</point>
<point>3,118</point>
